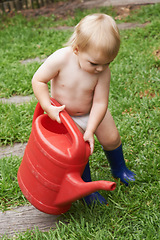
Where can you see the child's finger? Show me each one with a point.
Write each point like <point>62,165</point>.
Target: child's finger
<point>58,119</point>
<point>92,147</point>
<point>61,108</point>
<point>91,144</point>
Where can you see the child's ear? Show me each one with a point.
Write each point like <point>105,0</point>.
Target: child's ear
<point>75,50</point>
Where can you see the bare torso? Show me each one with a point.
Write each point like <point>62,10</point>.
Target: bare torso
<point>73,87</point>
<point>80,82</point>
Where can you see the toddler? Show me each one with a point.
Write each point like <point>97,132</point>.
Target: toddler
<point>80,81</point>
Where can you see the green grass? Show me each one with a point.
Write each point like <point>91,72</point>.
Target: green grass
<point>145,14</point>
<point>19,42</point>
<point>10,194</point>
<point>133,212</point>
<point>16,122</point>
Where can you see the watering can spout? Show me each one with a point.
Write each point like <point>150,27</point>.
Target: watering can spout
<point>74,188</point>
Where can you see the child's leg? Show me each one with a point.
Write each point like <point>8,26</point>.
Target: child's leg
<point>93,197</point>
<point>109,138</point>
<point>86,176</point>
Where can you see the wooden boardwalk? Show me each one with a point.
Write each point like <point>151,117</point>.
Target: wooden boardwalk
<point>23,218</point>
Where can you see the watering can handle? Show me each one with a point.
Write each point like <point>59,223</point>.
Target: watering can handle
<point>39,110</point>
<point>68,123</point>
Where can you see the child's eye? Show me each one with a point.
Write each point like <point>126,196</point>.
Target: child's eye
<point>93,64</point>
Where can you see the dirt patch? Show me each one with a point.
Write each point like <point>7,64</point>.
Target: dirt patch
<point>124,11</point>
<point>58,9</point>
<point>62,10</point>
<point>157,54</point>
<point>147,93</point>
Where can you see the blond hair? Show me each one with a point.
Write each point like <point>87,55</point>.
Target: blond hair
<point>97,31</point>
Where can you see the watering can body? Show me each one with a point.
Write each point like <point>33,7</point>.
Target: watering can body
<point>54,160</point>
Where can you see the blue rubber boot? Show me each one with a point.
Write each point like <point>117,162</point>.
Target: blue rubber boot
<point>93,197</point>
<point>118,166</point>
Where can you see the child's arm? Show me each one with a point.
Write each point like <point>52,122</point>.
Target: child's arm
<point>47,71</point>
<point>99,107</point>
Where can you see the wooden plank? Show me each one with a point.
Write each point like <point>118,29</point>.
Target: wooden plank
<point>24,5</point>
<point>23,218</point>
<point>6,7</point>
<point>17,5</point>
<point>1,8</point>
<point>16,150</point>
<point>12,7</point>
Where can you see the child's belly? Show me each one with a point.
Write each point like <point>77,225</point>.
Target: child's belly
<point>76,104</point>
<point>76,95</point>
<point>75,107</point>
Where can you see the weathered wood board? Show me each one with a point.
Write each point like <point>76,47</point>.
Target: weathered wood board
<point>23,218</point>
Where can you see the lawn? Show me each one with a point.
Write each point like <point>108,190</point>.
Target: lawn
<point>133,212</point>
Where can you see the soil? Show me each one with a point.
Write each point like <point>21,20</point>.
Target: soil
<point>62,9</point>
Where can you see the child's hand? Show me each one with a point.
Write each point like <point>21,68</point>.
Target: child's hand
<point>89,137</point>
<point>53,112</point>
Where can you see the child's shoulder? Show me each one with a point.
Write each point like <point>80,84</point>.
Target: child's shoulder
<point>62,53</point>
<point>59,57</point>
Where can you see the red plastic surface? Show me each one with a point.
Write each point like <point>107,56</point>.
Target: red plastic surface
<point>54,160</point>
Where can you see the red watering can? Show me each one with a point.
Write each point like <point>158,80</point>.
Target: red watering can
<point>54,160</point>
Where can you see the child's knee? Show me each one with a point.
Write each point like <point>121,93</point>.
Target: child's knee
<point>112,142</point>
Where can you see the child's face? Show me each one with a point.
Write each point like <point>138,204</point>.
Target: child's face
<point>91,61</point>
